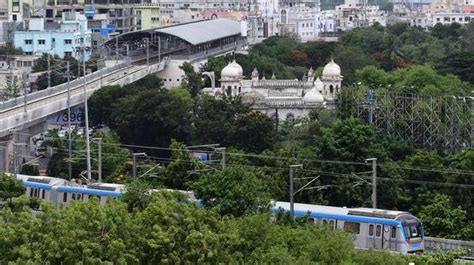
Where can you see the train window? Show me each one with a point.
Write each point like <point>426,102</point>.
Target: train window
<point>43,195</point>
<point>36,192</point>
<point>378,231</point>
<point>352,227</point>
<point>31,192</point>
<point>371,230</point>
<point>331,223</point>
<point>73,196</point>
<point>309,221</point>
<point>64,197</point>
<point>394,232</point>
<point>325,222</point>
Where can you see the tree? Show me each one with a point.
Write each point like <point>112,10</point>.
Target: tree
<point>179,172</point>
<point>252,131</point>
<point>235,191</point>
<point>10,188</point>
<point>138,196</point>
<point>192,81</point>
<point>440,219</point>
<point>12,88</point>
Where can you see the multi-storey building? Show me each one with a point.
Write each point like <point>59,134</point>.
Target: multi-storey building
<point>70,38</point>
<point>301,20</point>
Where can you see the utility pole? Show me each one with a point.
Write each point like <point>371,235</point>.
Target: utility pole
<point>88,148</point>
<point>147,51</point>
<point>49,70</point>
<point>223,159</point>
<point>69,144</point>
<point>99,160</point>
<point>134,164</point>
<point>23,83</point>
<point>159,49</point>
<point>292,193</point>
<point>374,181</point>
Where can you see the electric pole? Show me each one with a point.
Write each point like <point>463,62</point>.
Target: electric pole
<point>374,181</point>
<point>88,148</point>
<point>69,144</point>
<point>147,51</point>
<point>134,164</point>
<point>49,70</point>
<point>291,188</point>
<point>23,83</point>
<point>223,159</point>
<point>99,159</point>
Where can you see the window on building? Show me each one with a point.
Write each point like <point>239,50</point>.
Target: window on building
<point>67,41</point>
<point>28,42</point>
<point>41,42</point>
<point>352,227</point>
<point>67,54</point>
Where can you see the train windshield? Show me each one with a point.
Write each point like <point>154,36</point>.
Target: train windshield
<point>412,227</point>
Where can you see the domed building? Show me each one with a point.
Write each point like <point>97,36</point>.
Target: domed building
<point>282,98</point>
<point>332,80</point>
<point>231,78</point>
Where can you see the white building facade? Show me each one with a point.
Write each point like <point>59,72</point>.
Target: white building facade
<point>281,99</point>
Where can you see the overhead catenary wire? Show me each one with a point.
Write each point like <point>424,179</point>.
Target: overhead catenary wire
<point>381,165</point>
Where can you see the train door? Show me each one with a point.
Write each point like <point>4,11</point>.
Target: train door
<point>393,238</point>
<point>371,236</point>
<point>378,236</point>
<point>386,240</point>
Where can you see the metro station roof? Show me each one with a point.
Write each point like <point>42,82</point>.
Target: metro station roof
<point>203,31</point>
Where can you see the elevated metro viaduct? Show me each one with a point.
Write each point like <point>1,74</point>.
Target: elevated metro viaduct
<point>155,51</point>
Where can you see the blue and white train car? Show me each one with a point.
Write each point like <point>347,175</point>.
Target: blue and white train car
<point>62,192</point>
<point>41,187</point>
<point>373,228</point>
<point>101,191</point>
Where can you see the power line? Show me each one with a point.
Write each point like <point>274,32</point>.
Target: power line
<point>385,165</point>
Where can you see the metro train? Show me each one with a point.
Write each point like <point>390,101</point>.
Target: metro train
<point>62,192</point>
<point>372,228</point>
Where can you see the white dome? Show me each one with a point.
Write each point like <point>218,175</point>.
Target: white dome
<point>318,85</point>
<point>313,96</point>
<point>332,70</point>
<point>232,71</point>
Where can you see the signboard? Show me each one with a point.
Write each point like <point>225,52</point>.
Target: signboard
<point>76,117</point>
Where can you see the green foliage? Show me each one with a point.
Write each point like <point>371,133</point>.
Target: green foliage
<point>137,196</point>
<point>192,80</point>
<point>10,187</point>
<point>8,50</point>
<point>179,172</point>
<point>441,219</point>
<point>113,156</point>
<point>234,190</point>
<point>418,79</point>
<point>168,230</point>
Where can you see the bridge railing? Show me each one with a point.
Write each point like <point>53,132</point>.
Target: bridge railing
<point>442,244</point>
<point>59,88</point>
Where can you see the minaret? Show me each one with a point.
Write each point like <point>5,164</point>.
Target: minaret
<point>311,75</point>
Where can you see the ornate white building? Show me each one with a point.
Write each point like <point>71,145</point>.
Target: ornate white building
<point>281,99</point>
